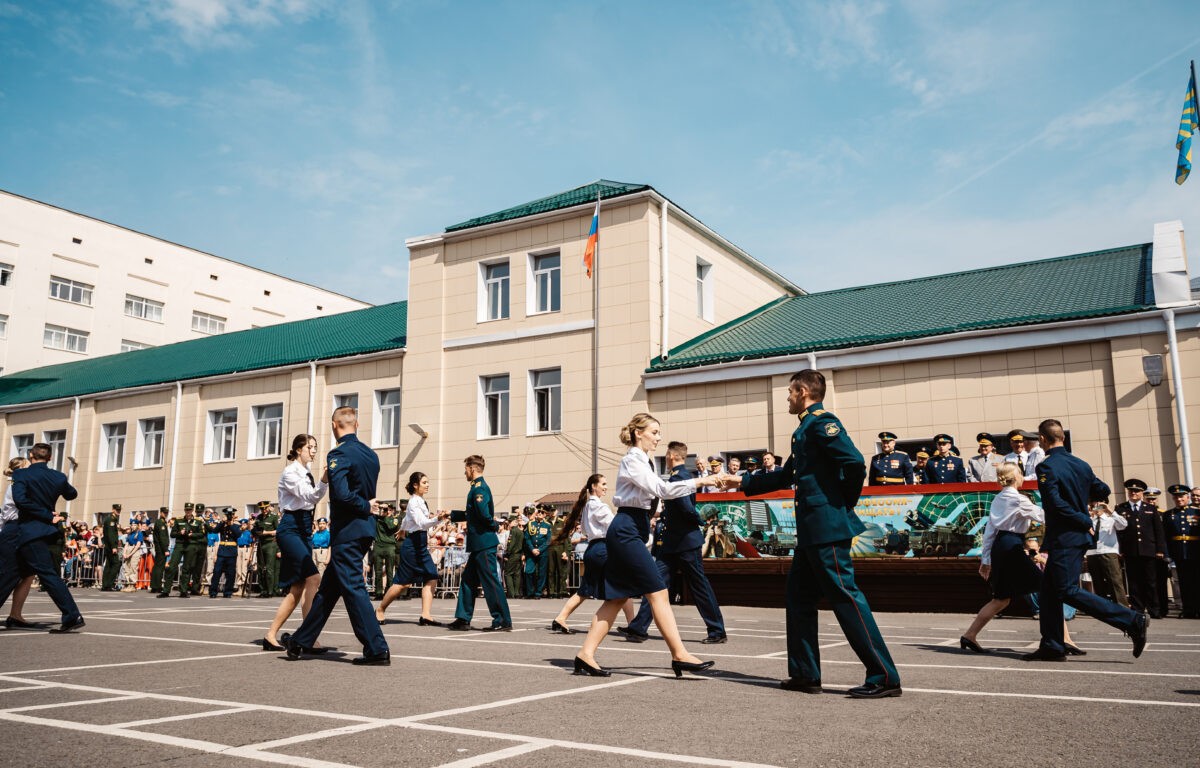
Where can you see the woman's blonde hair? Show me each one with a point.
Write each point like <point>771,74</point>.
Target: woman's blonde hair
<point>638,423</point>
<point>1009,473</point>
<point>19,462</point>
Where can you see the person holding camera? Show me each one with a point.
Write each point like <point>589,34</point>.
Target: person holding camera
<point>414,561</point>
<point>481,542</point>
<point>225,564</point>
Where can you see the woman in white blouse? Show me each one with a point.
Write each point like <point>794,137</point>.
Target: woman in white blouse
<point>415,563</point>
<point>299,493</point>
<point>593,516</point>
<point>10,532</point>
<point>629,570</point>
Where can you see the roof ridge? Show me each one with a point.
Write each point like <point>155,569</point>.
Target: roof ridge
<point>698,340</point>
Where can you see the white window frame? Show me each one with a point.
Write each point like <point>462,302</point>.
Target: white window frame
<point>386,418</point>
<point>221,435</point>
<point>143,309</point>
<point>113,438</point>
<point>71,291</point>
<point>6,273</point>
<point>553,393</point>
<point>3,326</point>
<point>267,429</point>
<point>66,339</point>
<point>536,278</point>
<point>503,287</point>
<point>704,289</point>
<point>503,399</point>
<point>22,444</point>
<point>58,446</point>
<point>346,399</point>
<point>129,345</point>
<point>209,325</point>
<point>148,439</point>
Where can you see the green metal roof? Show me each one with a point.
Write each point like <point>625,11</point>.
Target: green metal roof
<point>1084,285</point>
<point>572,197</point>
<point>322,338</point>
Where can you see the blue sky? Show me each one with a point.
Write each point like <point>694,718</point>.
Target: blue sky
<point>840,143</point>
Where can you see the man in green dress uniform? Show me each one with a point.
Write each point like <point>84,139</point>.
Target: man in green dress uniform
<point>268,549</point>
<point>110,537</point>
<point>383,553</point>
<point>161,538</point>
<point>513,566</point>
<point>179,531</point>
<point>197,552</point>
<point>560,564</point>
<point>537,538</point>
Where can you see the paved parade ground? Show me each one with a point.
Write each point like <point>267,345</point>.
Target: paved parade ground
<point>181,683</point>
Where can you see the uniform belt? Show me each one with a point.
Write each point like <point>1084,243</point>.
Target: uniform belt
<point>890,479</point>
<point>1185,538</point>
<point>320,547</point>
<point>229,543</point>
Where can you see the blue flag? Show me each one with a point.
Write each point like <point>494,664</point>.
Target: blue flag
<point>1187,129</point>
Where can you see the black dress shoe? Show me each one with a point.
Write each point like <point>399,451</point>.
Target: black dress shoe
<point>1044,654</point>
<point>14,623</point>
<point>69,626</point>
<point>322,650</point>
<point>184,594</point>
<point>970,645</point>
<point>1138,632</point>
<point>458,625</point>
<point>679,667</point>
<point>632,635</point>
<point>378,660</point>
<point>498,628</point>
<point>583,668</point>
<point>424,622</point>
<point>294,649</point>
<point>560,629</point>
<point>714,640</point>
<point>874,691</point>
<point>801,684</point>
<point>163,594</point>
<point>267,645</point>
<point>1074,650</point>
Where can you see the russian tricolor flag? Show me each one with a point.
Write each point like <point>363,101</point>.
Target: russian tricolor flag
<point>589,253</point>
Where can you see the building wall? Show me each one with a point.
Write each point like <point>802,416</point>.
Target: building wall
<point>37,241</point>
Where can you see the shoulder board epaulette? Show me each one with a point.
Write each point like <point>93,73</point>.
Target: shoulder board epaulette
<point>819,411</point>
<point>475,484</point>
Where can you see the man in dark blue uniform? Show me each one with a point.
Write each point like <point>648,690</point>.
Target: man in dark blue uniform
<point>225,565</point>
<point>945,467</point>
<point>827,472</point>
<point>1182,527</point>
<point>1143,544</point>
<point>480,569</point>
<point>889,466</point>
<point>679,551</point>
<point>36,490</point>
<point>1067,485</point>
<point>352,470</point>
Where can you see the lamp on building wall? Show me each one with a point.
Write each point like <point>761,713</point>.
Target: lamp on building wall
<point>1152,366</point>
<point>419,430</point>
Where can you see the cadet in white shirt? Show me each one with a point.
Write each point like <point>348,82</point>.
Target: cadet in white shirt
<point>1104,561</point>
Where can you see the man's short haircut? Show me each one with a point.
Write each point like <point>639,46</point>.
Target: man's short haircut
<point>41,452</point>
<point>677,449</point>
<point>475,460</point>
<point>345,416</point>
<point>813,381</point>
<point>1051,431</point>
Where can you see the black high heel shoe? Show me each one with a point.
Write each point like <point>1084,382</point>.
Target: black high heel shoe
<point>560,629</point>
<point>679,667</point>
<point>583,668</point>
<point>267,645</point>
<point>970,645</point>
<point>1074,650</point>
<point>424,622</point>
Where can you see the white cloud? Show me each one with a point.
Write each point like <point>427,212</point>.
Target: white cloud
<point>219,23</point>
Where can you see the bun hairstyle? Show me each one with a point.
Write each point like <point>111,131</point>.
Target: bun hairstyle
<point>414,480</point>
<point>636,424</point>
<point>1009,473</point>
<point>19,462</point>
<point>298,442</point>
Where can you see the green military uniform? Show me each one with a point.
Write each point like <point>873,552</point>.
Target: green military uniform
<point>383,555</point>
<point>197,550</point>
<point>512,561</point>
<point>558,568</point>
<point>110,537</point>
<point>59,543</point>
<point>179,531</point>
<point>537,536</point>
<point>160,536</point>
<point>268,551</point>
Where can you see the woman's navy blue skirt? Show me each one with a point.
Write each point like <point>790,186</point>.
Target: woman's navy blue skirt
<point>415,564</point>
<point>630,570</point>
<point>9,539</point>
<point>1013,571</point>
<point>294,537</point>
<point>595,558</point>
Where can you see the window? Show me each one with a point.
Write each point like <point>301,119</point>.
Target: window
<point>129,346</point>
<point>146,309</point>
<point>206,323</point>
<point>388,402</point>
<point>112,447</point>
<point>494,413</point>
<point>6,271</point>
<point>57,440</point>
<point>547,400</point>
<point>64,289</point>
<point>704,290</point>
<point>3,326</point>
<point>222,435</point>
<point>268,430</point>
<point>151,435</point>
<point>545,283</point>
<point>21,445</point>
<point>495,291</point>
<point>68,339</point>
<point>346,401</point>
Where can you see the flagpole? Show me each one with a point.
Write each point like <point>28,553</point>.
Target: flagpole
<point>596,345</point>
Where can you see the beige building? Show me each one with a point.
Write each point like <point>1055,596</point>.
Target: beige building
<point>73,287</point>
<point>492,354</point>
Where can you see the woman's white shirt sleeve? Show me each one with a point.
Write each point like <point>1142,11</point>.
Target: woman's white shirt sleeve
<point>295,490</point>
<point>417,517</point>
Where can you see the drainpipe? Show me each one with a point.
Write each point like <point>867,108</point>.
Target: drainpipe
<point>812,360</point>
<point>74,443</point>
<point>312,394</point>
<point>1185,444</point>
<point>664,282</point>
<point>175,443</point>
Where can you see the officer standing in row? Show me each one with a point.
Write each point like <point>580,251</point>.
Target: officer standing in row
<point>160,535</point>
<point>537,538</point>
<point>1182,528</point>
<point>889,466</point>
<point>945,467</point>
<point>110,537</point>
<point>225,564</point>
<point>559,555</point>
<point>179,532</point>
<point>383,553</point>
<point>513,549</point>
<point>268,549</point>
<point>982,467</point>
<point>197,551</point>
<point>922,461</point>
<point>1143,544</point>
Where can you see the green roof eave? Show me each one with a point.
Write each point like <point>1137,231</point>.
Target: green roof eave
<point>602,189</point>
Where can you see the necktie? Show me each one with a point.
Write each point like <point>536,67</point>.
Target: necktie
<point>654,501</point>
<point>311,482</point>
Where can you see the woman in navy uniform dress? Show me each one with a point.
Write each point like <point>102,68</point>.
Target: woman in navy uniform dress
<point>298,496</point>
<point>629,570</point>
<point>415,563</point>
<point>593,516</point>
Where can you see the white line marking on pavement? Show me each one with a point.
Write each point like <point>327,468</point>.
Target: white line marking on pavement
<point>1056,697</point>
<point>772,655</point>
<point>830,645</point>
<point>1038,669</point>
<point>72,703</point>
<point>24,688</point>
<point>126,664</point>
<point>175,718</point>
<point>491,757</point>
